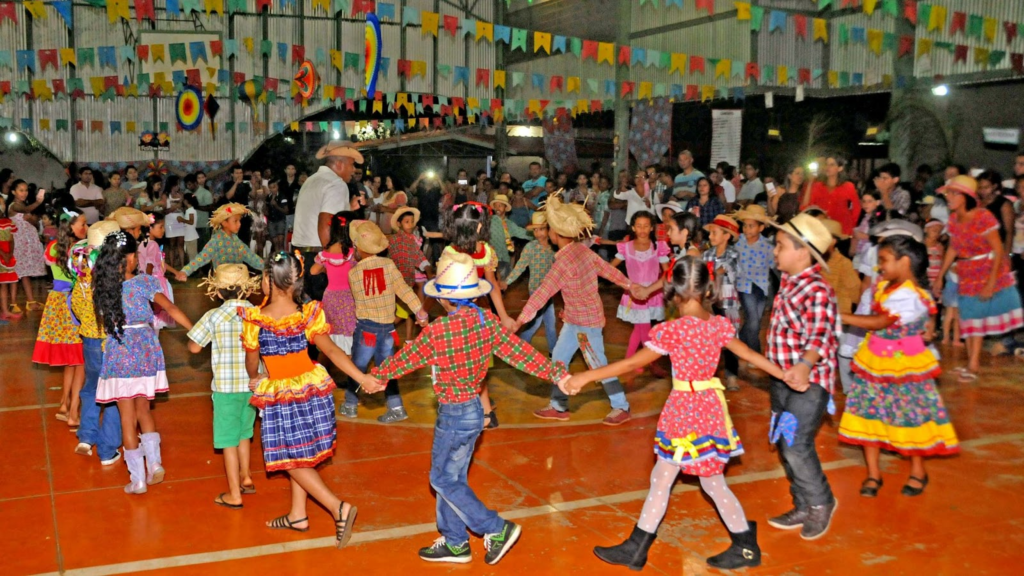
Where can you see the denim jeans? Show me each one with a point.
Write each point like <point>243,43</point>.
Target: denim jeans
<point>807,482</point>
<point>373,341</point>
<point>566,348</point>
<point>753,311</point>
<point>458,508</point>
<point>105,435</point>
<point>546,316</point>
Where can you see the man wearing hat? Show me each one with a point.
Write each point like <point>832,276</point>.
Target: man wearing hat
<point>502,232</point>
<point>324,194</point>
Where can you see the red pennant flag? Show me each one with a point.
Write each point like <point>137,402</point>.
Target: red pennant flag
<point>154,90</point>
<point>958,23</point>
<point>696,64</point>
<point>48,57</point>
<point>239,78</point>
<point>627,88</point>
<point>1017,62</point>
<point>556,84</point>
<point>589,49</point>
<point>378,96</point>
<point>445,110</point>
<point>109,82</point>
<point>437,121</point>
<point>58,86</point>
<point>596,106</point>
<point>405,67</point>
<point>1011,31</point>
<point>363,7</point>
<point>451,24</point>
<point>692,92</point>
<point>119,90</point>
<point>910,11</point>
<point>457,101</point>
<point>804,76</point>
<point>800,23</point>
<point>350,105</point>
<point>708,5</point>
<point>483,77</point>
<point>142,51</point>
<point>298,53</point>
<point>7,12</point>
<point>216,47</point>
<point>144,9</point>
<point>624,55</point>
<point>960,53</point>
<point>271,84</point>
<point>261,4</point>
<point>5,87</point>
<point>906,45</point>
<point>79,125</point>
<point>753,71</point>
<point>193,78</point>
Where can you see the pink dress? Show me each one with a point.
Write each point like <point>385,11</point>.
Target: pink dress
<point>150,253</point>
<point>339,307</point>
<point>28,249</point>
<point>695,430</point>
<point>643,268</point>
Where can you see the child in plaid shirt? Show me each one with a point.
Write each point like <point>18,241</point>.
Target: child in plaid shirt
<point>233,416</point>
<point>537,257</point>
<point>457,348</point>
<point>802,340</point>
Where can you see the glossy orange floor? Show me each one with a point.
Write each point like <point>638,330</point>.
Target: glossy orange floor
<point>571,486</point>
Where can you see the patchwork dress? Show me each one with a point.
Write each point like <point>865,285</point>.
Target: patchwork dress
<point>134,366</point>
<point>58,343</point>
<point>642,268</point>
<point>894,403</point>
<point>338,303</point>
<point>28,249</point>
<point>299,428</point>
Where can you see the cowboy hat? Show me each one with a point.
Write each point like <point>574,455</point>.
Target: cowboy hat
<point>754,212</point>
<point>897,227</point>
<point>961,184</point>
<point>810,232</point>
<point>500,199</point>
<point>835,229</point>
<point>726,223</point>
<point>816,208</point>
<point>672,205</point>
<point>568,220</point>
<point>537,220</point>
<point>129,217</point>
<point>227,211</point>
<point>99,231</point>
<point>367,237</point>
<point>229,276</point>
<point>339,149</point>
<point>456,279</point>
<point>397,216</point>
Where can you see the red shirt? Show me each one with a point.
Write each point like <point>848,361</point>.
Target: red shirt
<point>842,203</point>
<point>804,318</point>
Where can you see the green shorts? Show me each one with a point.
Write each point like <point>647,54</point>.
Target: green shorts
<point>233,418</point>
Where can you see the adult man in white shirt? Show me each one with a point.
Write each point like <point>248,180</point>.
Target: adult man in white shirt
<point>322,196</point>
<point>638,198</point>
<point>88,196</point>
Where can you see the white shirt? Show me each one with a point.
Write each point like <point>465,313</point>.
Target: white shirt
<point>751,189</point>
<point>190,229</point>
<point>323,193</point>
<point>729,191</point>
<point>91,192</point>
<point>634,203</point>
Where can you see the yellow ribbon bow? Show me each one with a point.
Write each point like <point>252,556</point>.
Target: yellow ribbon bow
<point>684,445</point>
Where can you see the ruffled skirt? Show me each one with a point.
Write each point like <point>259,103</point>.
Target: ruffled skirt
<point>340,309</point>
<point>57,343</point>
<point>694,433</point>
<point>993,317</point>
<point>132,368</point>
<point>299,429</point>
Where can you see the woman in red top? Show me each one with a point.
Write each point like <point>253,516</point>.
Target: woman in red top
<point>836,195</point>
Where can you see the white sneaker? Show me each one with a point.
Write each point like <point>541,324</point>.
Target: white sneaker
<point>112,461</point>
<point>83,449</point>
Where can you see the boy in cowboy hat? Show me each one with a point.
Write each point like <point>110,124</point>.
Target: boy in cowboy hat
<point>502,232</point>
<point>224,246</point>
<point>802,341</point>
<point>458,347</point>
<point>233,416</point>
<point>752,277</point>
<point>537,257</point>
<point>840,273</point>
<point>375,281</point>
<point>723,261</point>
<point>574,274</point>
<point>665,212</point>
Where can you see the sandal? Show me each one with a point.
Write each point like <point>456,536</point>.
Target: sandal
<point>909,490</point>
<point>250,489</point>
<point>343,526</point>
<point>33,305</point>
<point>870,491</point>
<point>283,523</point>
<point>967,376</point>
<point>219,501</point>
<point>62,416</point>
<point>14,309</point>
<point>73,426</point>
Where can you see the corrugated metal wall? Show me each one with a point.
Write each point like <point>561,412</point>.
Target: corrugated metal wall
<point>941,61</point>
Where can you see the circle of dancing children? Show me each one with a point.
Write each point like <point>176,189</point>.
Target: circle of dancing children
<point>695,434</point>
<point>298,428</point>
<point>133,369</point>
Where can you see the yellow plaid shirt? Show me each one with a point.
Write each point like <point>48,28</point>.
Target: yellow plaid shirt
<point>222,327</point>
<point>375,281</point>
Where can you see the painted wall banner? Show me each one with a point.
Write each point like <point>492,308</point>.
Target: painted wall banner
<point>726,136</point>
<point>1004,136</point>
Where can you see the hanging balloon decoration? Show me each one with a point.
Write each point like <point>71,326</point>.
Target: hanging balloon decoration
<point>372,56</point>
<point>189,108</point>
<point>251,92</point>
<point>306,79</point>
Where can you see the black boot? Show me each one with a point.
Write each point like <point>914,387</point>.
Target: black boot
<point>743,553</point>
<point>631,553</point>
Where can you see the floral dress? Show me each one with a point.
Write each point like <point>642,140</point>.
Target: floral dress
<point>133,367</point>
<point>894,403</point>
<point>151,253</point>
<point>58,343</point>
<point>695,430</point>
<point>643,268</point>
<point>339,306</point>
<point>8,261</point>
<point>299,428</point>
<point>28,249</point>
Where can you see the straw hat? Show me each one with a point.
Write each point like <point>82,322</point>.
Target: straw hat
<point>500,199</point>
<point>397,216</point>
<point>835,229</point>
<point>367,237</point>
<point>725,223</point>
<point>816,208</point>
<point>754,212</point>
<point>962,184</point>
<point>99,231</point>
<point>672,205</point>
<point>810,232</point>
<point>456,279</point>
<point>897,227</point>
<point>138,186</point>
<point>227,211</point>
<point>127,217</point>
<point>537,220</point>
<point>569,220</point>
<point>339,149</point>
<point>230,276</point>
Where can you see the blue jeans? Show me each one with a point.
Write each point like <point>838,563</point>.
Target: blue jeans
<point>753,311</point>
<point>458,508</point>
<point>373,341</point>
<point>546,317</point>
<point>807,482</point>
<point>105,435</point>
<point>566,348</point>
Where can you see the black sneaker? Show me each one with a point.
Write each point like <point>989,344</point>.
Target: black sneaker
<point>819,518</point>
<point>499,544</point>
<point>791,520</point>
<point>442,551</point>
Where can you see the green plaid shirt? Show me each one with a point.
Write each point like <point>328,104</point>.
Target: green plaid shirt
<point>223,248</point>
<point>499,238</point>
<point>536,257</point>
<point>223,327</point>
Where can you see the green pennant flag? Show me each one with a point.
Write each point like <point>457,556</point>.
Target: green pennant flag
<point>236,6</point>
<point>924,13</point>
<point>62,124</point>
<point>890,7</point>
<point>266,48</point>
<point>756,18</point>
<point>844,79</point>
<point>351,60</point>
<point>889,42</point>
<point>767,74</point>
<point>665,60</point>
<point>444,70</point>
<point>271,96</point>
<point>519,39</point>
<point>178,53</point>
<point>362,106</point>
<point>86,56</point>
<point>974,26</point>
<point>576,46</point>
<point>660,89</point>
<point>994,58</point>
<point>947,46</point>
<point>229,126</point>
<point>844,34</point>
<point>822,4</point>
<point>163,126</point>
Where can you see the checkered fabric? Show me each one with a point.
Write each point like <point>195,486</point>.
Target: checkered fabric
<point>407,256</point>
<point>538,259</point>
<point>375,281</point>
<point>804,318</point>
<point>222,327</point>
<point>223,248</point>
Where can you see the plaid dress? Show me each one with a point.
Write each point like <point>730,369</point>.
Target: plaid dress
<point>299,429</point>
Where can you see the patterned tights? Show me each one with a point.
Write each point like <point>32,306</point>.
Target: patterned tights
<point>664,476</point>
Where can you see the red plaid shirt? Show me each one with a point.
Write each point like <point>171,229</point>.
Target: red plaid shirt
<point>575,273</point>
<point>406,254</point>
<point>804,318</point>
<point>457,348</point>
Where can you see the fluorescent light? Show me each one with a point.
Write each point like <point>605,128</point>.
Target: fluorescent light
<point>940,90</point>
<point>12,137</point>
<point>335,135</point>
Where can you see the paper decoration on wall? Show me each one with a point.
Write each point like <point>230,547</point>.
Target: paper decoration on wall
<point>211,107</point>
<point>306,79</point>
<point>150,140</point>
<point>189,108</point>
<point>372,55</point>
<point>250,92</point>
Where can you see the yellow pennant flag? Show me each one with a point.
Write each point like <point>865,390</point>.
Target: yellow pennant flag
<point>875,41</point>
<point>325,4</point>
<point>981,56</point>
<point>820,30</point>
<point>924,46</point>
<point>328,92</point>
<point>646,89</point>
<point>401,98</point>
<point>247,42</point>
<point>484,30</point>
<point>937,21</point>
<point>542,40</point>
<point>429,21</point>
<point>68,56</point>
<point>410,108</point>
<point>378,106</point>
<point>336,60</point>
<point>218,6</point>
<point>419,68</point>
<point>573,84</point>
<point>723,69</point>
<point>133,89</point>
<point>36,9</point>
<point>782,74</point>
<point>742,10</point>
<point>499,78</point>
<point>678,63</point>
<point>707,92</point>
<point>210,89</point>
<point>606,52</point>
<point>833,79</point>
<point>869,6</point>
<point>117,9</point>
<point>41,89</point>
<point>583,105</point>
<point>294,126</point>
<point>990,29</point>
<point>129,127</point>
<point>97,85</point>
<point>534,107</point>
<point>44,124</point>
<point>499,116</point>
